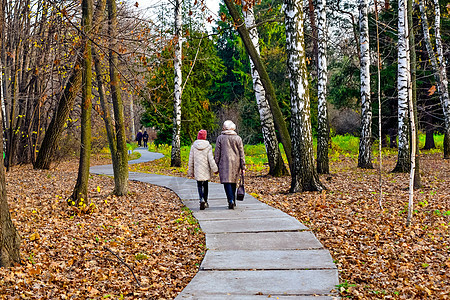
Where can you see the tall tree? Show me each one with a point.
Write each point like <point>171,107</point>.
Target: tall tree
<point>322,117</point>
<point>120,156</point>
<point>80,192</point>
<point>403,86</point>
<point>9,238</point>
<point>276,164</point>
<point>413,93</point>
<point>303,172</point>
<point>413,181</point>
<point>443,75</point>
<point>176,143</point>
<point>365,143</point>
<point>439,68</point>
<point>280,123</point>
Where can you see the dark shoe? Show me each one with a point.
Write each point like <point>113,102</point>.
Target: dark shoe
<point>202,204</point>
<point>206,204</point>
<point>230,205</point>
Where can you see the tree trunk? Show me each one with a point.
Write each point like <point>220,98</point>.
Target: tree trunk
<point>9,238</point>
<point>280,123</point>
<point>303,172</point>
<point>403,160</point>
<point>276,164</point>
<point>322,117</point>
<point>381,137</point>
<point>413,93</point>
<point>429,139</point>
<point>314,34</point>
<point>120,159</point>
<point>411,105</point>
<point>132,123</point>
<point>80,192</point>
<point>176,143</point>
<point>106,115</point>
<point>365,142</point>
<point>392,138</point>
<point>443,75</point>
<point>56,127</point>
<point>439,66</point>
<point>12,133</point>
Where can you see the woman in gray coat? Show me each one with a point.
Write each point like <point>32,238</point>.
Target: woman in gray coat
<point>229,157</point>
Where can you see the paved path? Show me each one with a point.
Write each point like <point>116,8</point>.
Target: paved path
<point>254,251</point>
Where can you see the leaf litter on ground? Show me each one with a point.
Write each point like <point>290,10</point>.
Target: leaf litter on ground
<point>76,256</point>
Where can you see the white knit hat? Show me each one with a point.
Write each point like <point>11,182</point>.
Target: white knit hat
<point>229,125</point>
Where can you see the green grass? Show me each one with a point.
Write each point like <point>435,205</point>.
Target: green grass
<point>349,145</point>
<point>256,159</point>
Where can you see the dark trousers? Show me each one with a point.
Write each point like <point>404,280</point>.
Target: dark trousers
<point>202,187</point>
<point>230,190</point>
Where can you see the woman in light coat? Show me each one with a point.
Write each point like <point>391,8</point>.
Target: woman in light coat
<point>201,165</point>
<point>229,157</point>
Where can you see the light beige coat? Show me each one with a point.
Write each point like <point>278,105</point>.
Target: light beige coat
<point>229,156</point>
<point>201,161</point>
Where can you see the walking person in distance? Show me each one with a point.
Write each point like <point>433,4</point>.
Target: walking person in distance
<point>145,138</point>
<point>201,165</point>
<point>139,137</point>
<point>229,157</point>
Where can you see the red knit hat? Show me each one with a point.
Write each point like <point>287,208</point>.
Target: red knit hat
<point>201,135</point>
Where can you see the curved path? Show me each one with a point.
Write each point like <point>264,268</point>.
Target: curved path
<point>254,251</point>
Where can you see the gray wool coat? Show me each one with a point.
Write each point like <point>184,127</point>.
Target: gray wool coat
<point>229,156</point>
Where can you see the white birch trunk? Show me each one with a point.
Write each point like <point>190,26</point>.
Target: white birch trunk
<point>176,144</point>
<point>267,124</point>
<point>442,65</point>
<point>304,175</point>
<point>439,65</point>
<point>403,160</point>
<point>443,76</point>
<point>365,145</point>
<point>322,69</point>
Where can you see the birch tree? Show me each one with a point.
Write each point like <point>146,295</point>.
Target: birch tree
<point>322,117</point>
<point>411,109</point>
<point>439,68</point>
<point>176,143</point>
<point>403,85</point>
<point>365,144</point>
<point>276,164</point>
<point>303,172</point>
<point>413,94</point>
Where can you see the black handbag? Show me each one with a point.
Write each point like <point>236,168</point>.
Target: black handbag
<point>240,193</point>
